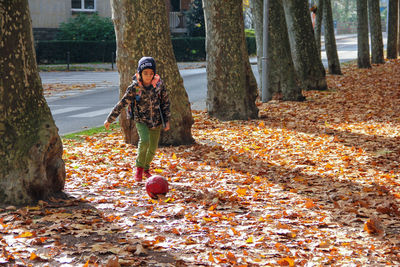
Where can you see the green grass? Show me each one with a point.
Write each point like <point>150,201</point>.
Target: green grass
<point>81,135</point>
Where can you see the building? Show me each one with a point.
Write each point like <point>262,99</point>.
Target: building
<point>48,14</point>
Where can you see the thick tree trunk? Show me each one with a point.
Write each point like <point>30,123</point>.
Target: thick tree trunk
<point>363,59</point>
<point>31,165</point>
<point>256,7</point>
<point>283,81</point>
<point>330,41</point>
<point>307,63</point>
<point>375,26</point>
<point>141,29</point>
<point>392,29</point>
<point>318,25</point>
<point>232,88</point>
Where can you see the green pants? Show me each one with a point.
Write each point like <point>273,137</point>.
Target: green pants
<point>148,143</point>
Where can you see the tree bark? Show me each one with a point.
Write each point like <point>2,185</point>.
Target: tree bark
<point>256,7</point>
<point>392,29</point>
<point>330,41</point>
<point>141,28</point>
<point>363,59</point>
<point>318,25</point>
<point>232,88</point>
<point>284,83</point>
<point>30,147</point>
<point>375,26</point>
<point>398,30</point>
<point>307,63</point>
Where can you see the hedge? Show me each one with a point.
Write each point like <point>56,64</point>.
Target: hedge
<point>185,49</point>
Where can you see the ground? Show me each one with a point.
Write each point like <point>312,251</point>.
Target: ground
<point>309,183</point>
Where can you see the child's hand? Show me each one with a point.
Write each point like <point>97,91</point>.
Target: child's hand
<point>107,125</point>
<point>166,126</point>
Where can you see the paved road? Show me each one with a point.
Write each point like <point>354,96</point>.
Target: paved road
<point>75,111</point>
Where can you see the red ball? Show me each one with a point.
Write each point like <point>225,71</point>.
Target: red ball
<point>156,185</point>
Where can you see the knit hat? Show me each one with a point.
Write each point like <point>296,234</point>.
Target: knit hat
<point>146,63</point>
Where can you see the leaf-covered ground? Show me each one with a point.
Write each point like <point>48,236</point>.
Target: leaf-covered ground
<point>309,183</point>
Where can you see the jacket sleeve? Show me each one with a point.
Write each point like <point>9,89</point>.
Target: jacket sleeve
<point>122,104</point>
<point>165,104</point>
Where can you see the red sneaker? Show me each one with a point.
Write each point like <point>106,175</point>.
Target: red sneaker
<point>139,174</point>
<point>147,173</point>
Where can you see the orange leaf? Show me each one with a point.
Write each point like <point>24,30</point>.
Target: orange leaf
<point>231,257</point>
<point>33,256</point>
<point>373,226</point>
<point>210,257</point>
<point>286,262</point>
<point>310,204</point>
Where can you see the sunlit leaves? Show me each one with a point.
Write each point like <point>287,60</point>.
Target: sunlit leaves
<point>311,183</point>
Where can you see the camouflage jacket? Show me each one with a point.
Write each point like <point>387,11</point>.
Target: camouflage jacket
<point>147,103</point>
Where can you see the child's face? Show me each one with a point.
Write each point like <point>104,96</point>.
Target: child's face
<point>147,76</point>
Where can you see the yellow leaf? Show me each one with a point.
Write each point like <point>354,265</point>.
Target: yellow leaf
<point>158,170</point>
<point>174,156</point>
<point>25,234</point>
<point>261,124</point>
<point>250,240</point>
<point>241,191</point>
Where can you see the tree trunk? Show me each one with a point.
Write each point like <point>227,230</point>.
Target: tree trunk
<point>232,88</point>
<point>256,7</point>
<point>398,30</point>
<point>141,28</point>
<point>306,61</point>
<point>283,81</point>
<point>330,41</point>
<point>318,25</point>
<point>30,147</point>
<point>363,59</point>
<point>376,32</point>
<point>392,29</point>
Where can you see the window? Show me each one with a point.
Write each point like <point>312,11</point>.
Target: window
<point>83,5</point>
<point>175,5</point>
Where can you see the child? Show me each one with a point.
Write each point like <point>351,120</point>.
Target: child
<point>150,107</point>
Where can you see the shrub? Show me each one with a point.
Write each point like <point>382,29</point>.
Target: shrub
<point>87,27</point>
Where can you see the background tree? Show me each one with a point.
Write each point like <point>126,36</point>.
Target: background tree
<point>31,165</point>
<point>232,88</point>
<point>283,80</point>
<point>392,29</point>
<point>318,24</point>
<point>139,36</point>
<point>330,41</point>
<point>375,27</point>
<point>284,83</point>
<point>256,7</point>
<point>87,27</point>
<point>307,62</point>
<point>363,59</point>
<point>195,19</point>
